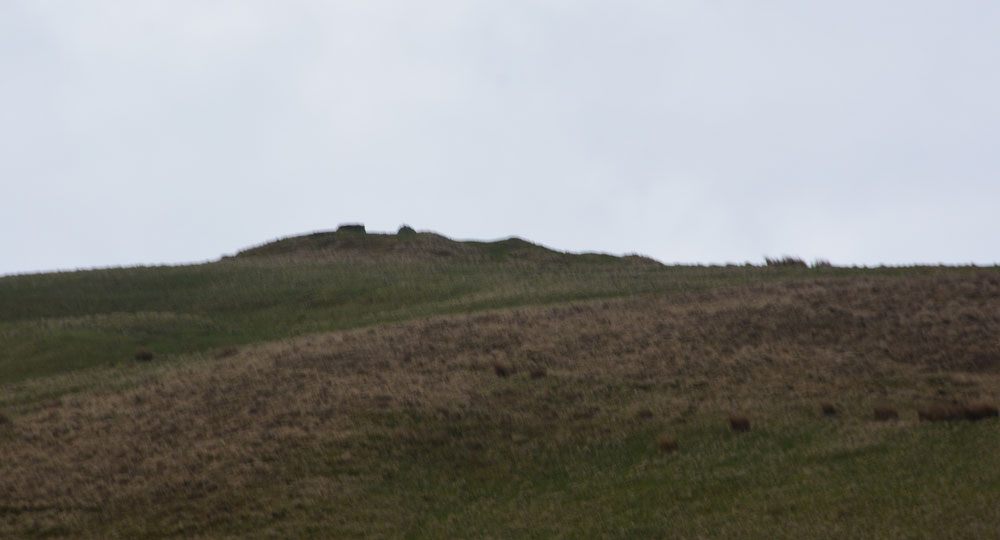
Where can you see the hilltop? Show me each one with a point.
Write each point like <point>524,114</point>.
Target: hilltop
<point>354,243</point>
<point>57,322</point>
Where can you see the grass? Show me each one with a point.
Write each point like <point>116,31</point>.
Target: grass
<point>331,395</point>
<point>786,484</point>
<point>53,322</point>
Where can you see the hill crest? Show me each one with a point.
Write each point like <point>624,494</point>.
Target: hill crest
<point>352,242</point>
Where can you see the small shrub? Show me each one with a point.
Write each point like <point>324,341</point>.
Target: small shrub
<point>979,410</point>
<point>538,373</point>
<point>739,423</point>
<point>143,354</point>
<point>4,419</point>
<point>406,230</point>
<point>502,370</point>
<point>822,263</point>
<point>884,413</point>
<point>828,409</point>
<point>667,444</point>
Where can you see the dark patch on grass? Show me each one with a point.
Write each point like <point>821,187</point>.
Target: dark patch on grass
<point>979,410</point>
<point>226,352</point>
<point>884,413</point>
<point>828,409</point>
<point>503,370</point>
<point>940,412</point>
<point>739,423</point>
<point>644,414</point>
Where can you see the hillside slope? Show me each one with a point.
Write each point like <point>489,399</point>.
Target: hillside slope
<point>542,421</point>
<point>373,386</point>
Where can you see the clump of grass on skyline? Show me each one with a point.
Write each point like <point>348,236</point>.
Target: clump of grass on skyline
<point>787,260</point>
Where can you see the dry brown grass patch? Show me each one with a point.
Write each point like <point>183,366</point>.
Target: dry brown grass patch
<point>538,373</point>
<point>667,444</point>
<point>739,423</point>
<point>940,412</point>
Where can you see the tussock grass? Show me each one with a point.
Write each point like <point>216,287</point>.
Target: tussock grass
<point>950,412</point>
<point>979,410</point>
<point>940,412</point>
<point>739,423</point>
<point>503,369</point>
<point>882,412</point>
<point>787,260</point>
<point>667,444</point>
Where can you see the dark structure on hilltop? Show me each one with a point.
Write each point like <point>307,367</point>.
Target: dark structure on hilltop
<point>352,227</point>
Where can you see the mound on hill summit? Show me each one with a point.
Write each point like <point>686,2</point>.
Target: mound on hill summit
<point>353,242</point>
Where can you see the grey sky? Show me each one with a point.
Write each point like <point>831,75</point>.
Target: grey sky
<point>139,132</point>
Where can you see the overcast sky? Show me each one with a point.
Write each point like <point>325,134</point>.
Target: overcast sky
<point>713,131</point>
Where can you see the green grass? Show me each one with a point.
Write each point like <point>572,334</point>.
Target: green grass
<point>799,481</point>
<point>51,323</point>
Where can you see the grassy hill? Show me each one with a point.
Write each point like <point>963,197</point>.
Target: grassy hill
<point>50,323</point>
<point>347,384</point>
<point>53,322</point>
